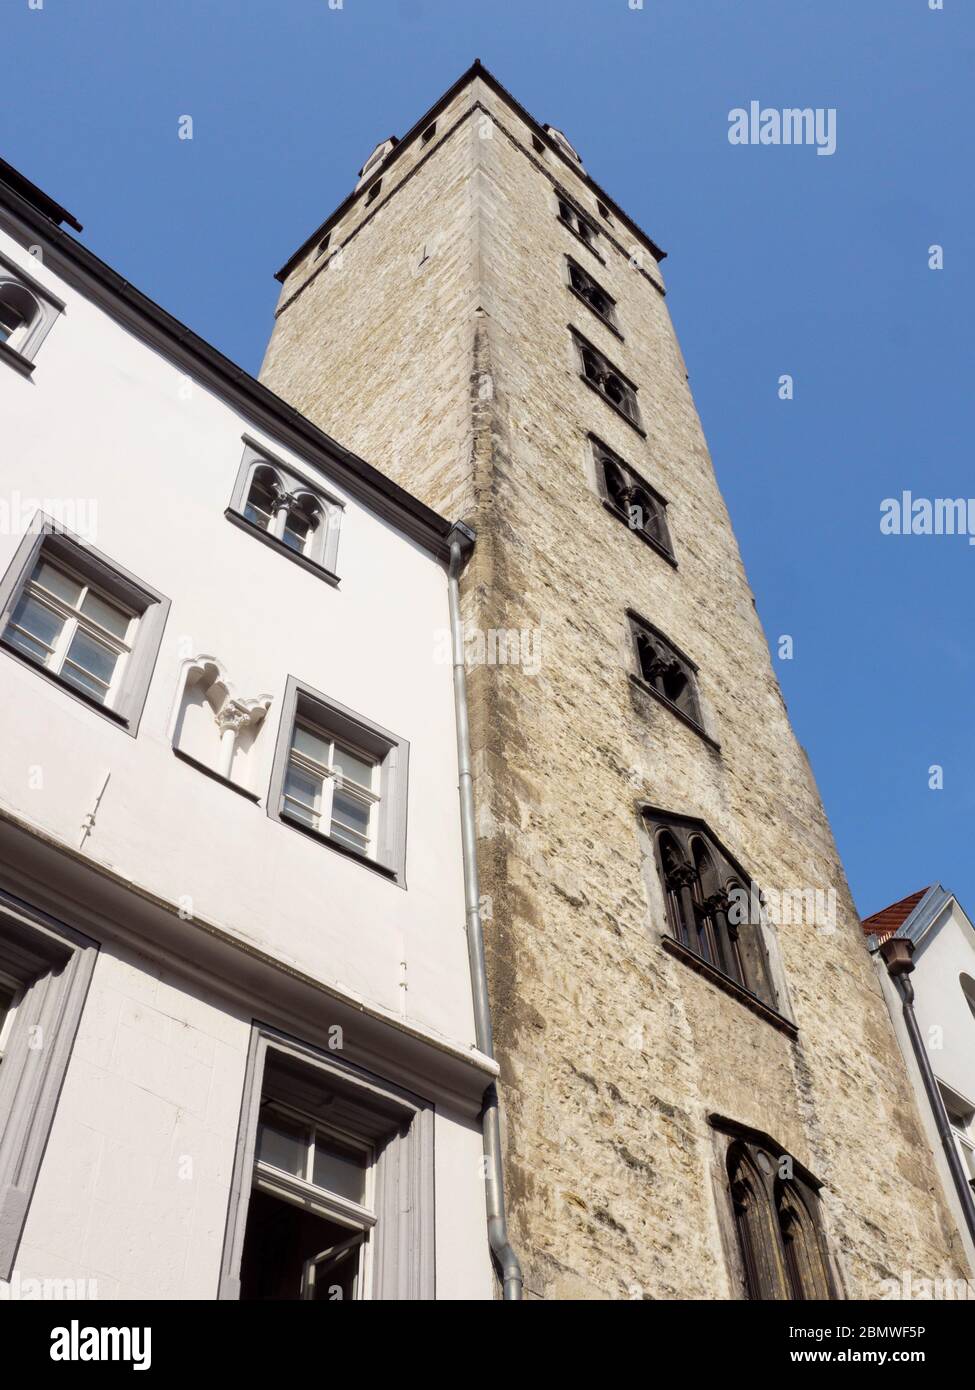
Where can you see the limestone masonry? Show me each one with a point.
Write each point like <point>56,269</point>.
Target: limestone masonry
<point>432,335</point>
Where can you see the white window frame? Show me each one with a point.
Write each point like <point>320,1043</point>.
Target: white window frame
<point>73,621</point>
<point>328,719</point>
<point>46,540</point>
<point>332,780</point>
<point>402,1243</point>
<point>303,1191</point>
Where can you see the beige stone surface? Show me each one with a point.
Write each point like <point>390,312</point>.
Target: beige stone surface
<point>436,346</point>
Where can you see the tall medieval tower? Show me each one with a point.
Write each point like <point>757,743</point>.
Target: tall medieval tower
<point>483,323</point>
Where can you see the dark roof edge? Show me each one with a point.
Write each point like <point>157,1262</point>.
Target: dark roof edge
<point>36,196</point>
<point>477,69</point>
<point>364,482</point>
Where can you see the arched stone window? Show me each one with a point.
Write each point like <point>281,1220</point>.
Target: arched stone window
<point>611,384</point>
<point>577,221</point>
<point>804,1264</point>
<point>18,311</point>
<point>703,891</point>
<point>775,1204</point>
<point>288,512</point>
<point>665,671</point>
<point>587,289</point>
<point>632,499</point>
<point>755,1225</point>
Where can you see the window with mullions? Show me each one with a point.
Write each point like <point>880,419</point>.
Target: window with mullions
<point>302,520</point>
<point>599,373</point>
<point>776,1216</point>
<point>92,627</point>
<point>341,778</point>
<point>577,222</point>
<point>665,671</point>
<point>710,903</point>
<point>318,1179</point>
<point>631,499</point>
<point>586,288</point>
<point>332,788</point>
<point>64,623</point>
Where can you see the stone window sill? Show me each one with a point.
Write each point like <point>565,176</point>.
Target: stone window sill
<point>729,986</point>
<point>648,689</point>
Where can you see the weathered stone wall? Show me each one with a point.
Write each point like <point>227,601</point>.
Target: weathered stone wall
<point>457,376</point>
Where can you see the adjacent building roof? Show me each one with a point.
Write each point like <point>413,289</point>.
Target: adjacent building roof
<point>885,922</point>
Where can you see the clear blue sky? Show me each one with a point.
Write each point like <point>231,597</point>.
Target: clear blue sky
<point>780,261</point>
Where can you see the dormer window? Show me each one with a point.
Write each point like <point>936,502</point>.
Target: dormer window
<point>378,156</point>
<point>374,191</point>
<point>299,518</point>
<point>631,499</point>
<point>564,144</point>
<point>592,293</point>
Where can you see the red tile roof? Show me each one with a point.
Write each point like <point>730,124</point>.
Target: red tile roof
<point>885,922</point>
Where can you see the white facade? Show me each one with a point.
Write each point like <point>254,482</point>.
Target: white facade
<point>943,980</point>
<point>206,918</point>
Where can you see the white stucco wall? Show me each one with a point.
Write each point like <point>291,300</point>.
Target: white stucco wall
<point>133,1189</point>
<point>109,421</point>
<point>946,1022</point>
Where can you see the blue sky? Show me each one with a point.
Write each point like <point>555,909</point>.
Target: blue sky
<point>780,261</point>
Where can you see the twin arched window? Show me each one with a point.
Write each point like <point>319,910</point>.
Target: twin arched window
<point>779,1240</point>
<point>631,499</point>
<point>291,517</point>
<point>710,909</point>
<point>287,510</point>
<point>665,671</point>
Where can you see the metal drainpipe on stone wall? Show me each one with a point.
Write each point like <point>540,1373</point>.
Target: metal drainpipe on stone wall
<point>461,544</point>
<point>896,953</point>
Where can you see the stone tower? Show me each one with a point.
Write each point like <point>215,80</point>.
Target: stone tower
<point>482,322</point>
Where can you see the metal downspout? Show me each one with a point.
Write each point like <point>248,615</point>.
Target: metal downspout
<point>461,543</point>
<point>896,953</point>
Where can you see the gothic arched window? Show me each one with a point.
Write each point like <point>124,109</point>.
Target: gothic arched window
<point>782,1249</point>
<point>632,499</point>
<point>586,287</point>
<point>707,907</point>
<point>665,671</point>
<point>805,1267</point>
<point>611,384</point>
